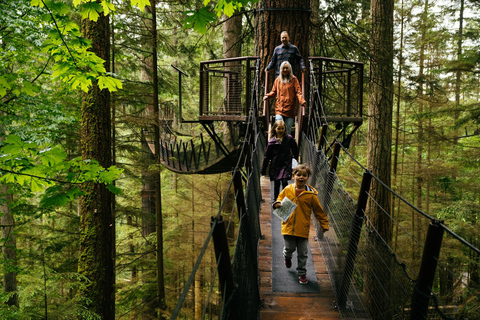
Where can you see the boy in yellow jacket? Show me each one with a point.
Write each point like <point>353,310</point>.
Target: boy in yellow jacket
<point>295,230</point>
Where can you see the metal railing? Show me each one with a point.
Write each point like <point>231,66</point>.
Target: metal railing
<point>225,88</point>
<point>339,84</point>
<point>415,268</point>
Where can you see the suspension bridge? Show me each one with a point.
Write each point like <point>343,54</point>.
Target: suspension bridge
<point>421,270</point>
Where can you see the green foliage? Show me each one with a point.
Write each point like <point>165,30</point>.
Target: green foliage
<point>200,19</point>
<point>37,168</point>
<point>74,63</point>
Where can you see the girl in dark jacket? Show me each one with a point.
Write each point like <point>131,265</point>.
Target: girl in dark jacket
<point>281,148</point>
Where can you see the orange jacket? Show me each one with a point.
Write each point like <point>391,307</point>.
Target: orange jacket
<point>287,95</point>
<point>298,224</point>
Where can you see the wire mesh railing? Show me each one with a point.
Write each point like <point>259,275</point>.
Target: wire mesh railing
<point>225,88</point>
<point>339,87</point>
<point>386,261</point>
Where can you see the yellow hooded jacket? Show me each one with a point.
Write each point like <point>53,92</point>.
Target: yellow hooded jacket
<point>298,224</point>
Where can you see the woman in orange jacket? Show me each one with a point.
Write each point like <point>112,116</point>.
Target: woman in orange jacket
<point>287,90</point>
<point>296,229</point>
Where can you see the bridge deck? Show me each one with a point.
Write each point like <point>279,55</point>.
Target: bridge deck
<point>287,305</point>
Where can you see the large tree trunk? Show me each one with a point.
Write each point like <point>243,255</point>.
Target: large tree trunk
<point>232,36</point>
<point>315,28</point>
<point>275,16</point>
<point>379,153</point>
<point>9,249</point>
<point>419,174</point>
<point>160,301</point>
<point>458,74</point>
<point>148,217</point>
<point>97,241</point>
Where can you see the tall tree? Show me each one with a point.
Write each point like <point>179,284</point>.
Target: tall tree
<point>96,260</point>
<point>160,301</point>
<point>458,73</point>
<point>379,160</point>
<point>273,17</point>
<point>419,174</point>
<point>9,248</point>
<point>232,36</point>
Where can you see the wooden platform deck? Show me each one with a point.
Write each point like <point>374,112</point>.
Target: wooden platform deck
<point>289,306</point>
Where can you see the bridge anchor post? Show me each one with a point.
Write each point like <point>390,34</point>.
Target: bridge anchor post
<point>423,287</point>
<point>354,239</point>
<point>222,254</point>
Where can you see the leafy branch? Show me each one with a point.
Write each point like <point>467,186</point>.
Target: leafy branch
<point>29,165</point>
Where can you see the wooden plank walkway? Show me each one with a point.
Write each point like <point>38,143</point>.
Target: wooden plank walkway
<point>290,306</point>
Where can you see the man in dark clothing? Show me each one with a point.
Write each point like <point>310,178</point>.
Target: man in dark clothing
<point>286,52</point>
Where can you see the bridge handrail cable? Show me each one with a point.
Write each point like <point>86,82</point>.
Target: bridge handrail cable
<point>331,183</point>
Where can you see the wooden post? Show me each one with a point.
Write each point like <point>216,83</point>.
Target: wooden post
<point>423,288</point>
<point>354,239</point>
<point>239,196</point>
<point>225,273</point>
<point>266,111</point>
<point>323,139</point>
<point>248,86</point>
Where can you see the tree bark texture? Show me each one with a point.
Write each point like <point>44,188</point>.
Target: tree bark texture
<point>96,260</point>
<point>379,159</point>
<point>9,249</point>
<point>232,36</point>
<point>160,300</point>
<point>271,18</point>
<point>148,217</point>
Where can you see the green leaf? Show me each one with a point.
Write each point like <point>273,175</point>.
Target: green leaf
<point>141,4</point>
<point>30,88</point>
<point>114,189</point>
<point>36,186</point>
<point>90,10</point>
<point>36,3</point>
<point>109,83</point>
<point>228,9</point>
<point>199,19</point>
<point>107,7</point>
<point>52,158</point>
<point>14,140</point>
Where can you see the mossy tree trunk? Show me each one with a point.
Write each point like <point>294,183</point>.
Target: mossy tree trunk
<point>97,254</point>
<point>379,160</point>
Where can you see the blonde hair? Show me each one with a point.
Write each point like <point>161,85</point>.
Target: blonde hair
<point>289,76</point>
<point>273,130</point>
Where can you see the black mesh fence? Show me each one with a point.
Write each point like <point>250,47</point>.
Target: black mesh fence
<point>387,260</point>
<point>245,300</point>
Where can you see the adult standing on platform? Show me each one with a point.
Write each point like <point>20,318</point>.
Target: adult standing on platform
<point>287,90</point>
<point>285,52</point>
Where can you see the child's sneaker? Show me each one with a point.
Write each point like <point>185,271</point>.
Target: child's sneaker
<point>302,279</point>
<point>288,263</point>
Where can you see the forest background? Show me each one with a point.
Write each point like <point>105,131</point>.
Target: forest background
<point>46,71</point>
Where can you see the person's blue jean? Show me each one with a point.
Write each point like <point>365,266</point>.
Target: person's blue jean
<point>288,122</point>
